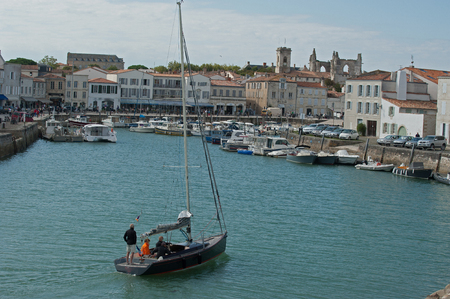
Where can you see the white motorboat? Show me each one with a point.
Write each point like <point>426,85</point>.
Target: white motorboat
<point>343,157</point>
<point>280,153</point>
<point>98,133</point>
<point>302,156</point>
<point>264,145</point>
<point>80,121</point>
<point>374,165</point>
<point>114,121</point>
<point>143,127</point>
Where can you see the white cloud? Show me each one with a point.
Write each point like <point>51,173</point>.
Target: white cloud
<point>147,33</point>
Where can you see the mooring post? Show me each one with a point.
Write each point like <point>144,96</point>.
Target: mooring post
<point>412,154</point>
<point>382,155</point>
<point>365,149</point>
<point>438,163</point>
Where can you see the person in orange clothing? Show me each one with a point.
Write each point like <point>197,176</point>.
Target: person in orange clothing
<point>145,250</point>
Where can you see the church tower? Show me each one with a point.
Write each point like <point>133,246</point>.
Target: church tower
<point>312,61</point>
<point>283,60</point>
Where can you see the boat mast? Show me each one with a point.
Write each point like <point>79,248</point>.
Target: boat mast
<point>183,96</point>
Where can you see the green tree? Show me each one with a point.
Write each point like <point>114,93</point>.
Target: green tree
<point>161,69</point>
<point>22,61</point>
<point>93,65</point>
<point>361,129</point>
<point>112,68</point>
<point>137,67</point>
<point>69,68</point>
<point>50,61</point>
<point>337,87</point>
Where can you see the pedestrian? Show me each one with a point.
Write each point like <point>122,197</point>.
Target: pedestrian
<point>417,134</point>
<point>130,237</point>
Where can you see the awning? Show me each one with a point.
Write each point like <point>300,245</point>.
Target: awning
<point>200,104</point>
<point>45,101</point>
<point>29,99</point>
<point>3,97</point>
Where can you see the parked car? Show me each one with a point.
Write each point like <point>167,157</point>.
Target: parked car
<point>17,116</point>
<point>349,134</point>
<point>336,133</point>
<point>387,140</point>
<point>401,141</point>
<point>311,127</point>
<point>432,142</point>
<point>409,144</point>
<point>318,130</point>
<point>327,130</point>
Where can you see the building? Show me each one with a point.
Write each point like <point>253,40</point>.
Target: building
<point>311,99</point>
<point>339,69</point>
<point>104,61</point>
<point>103,93</point>
<point>443,113</point>
<point>228,97</point>
<point>336,103</point>
<point>77,90</point>
<point>93,72</point>
<point>135,87</point>
<point>199,86</point>
<point>364,96</point>
<point>271,91</point>
<point>55,89</point>
<point>10,85</point>
<point>428,76</point>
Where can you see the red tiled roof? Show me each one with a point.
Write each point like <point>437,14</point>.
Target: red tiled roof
<point>334,94</point>
<point>375,75</point>
<point>51,76</point>
<point>310,84</point>
<point>25,76</point>
<point>415,104</point>
<point>29,67</point>
<point>168,75</point>
<point>225,83</point>
<point>427,74</point>
<point>101,80</point>
<point>270,79</point>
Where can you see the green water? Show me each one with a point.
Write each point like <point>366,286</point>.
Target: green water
<point>295,231</point>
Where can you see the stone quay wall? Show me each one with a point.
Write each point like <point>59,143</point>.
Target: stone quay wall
<point>437,160</point>
<point>17,138</point>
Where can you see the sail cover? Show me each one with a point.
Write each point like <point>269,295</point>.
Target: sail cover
<point>184,219</point>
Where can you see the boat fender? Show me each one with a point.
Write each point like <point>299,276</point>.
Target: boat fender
<point>199,259</point>
<point>111,130</point>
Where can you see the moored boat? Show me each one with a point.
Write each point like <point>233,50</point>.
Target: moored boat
<point>80,121</point>
<point>374,165</point>
<point>98,133</point>
<point>143,127</point>
<point>414,170</point>
<point>442,179</point>
<point>343,157</point>
<point>326,158</point>
<point>302,156</point>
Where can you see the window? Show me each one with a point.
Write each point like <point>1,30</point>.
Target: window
<point>375,108</point>
<point>310,91</point>
<point>349,89</point>
<point>74,94</point>
<point>359,107</point>
<point>444,87</point>
<point>52,85</point>
<point>368,91</point>
<point>393,128</point>
<point>309,101</point>
<point>290,96</point>
<point>60,85</point>
<point>360,90</point>
<point>391,111</point>
<point>376,91</point>
<point>84,94</point>
<point>202,83</point>
<point>221,92</point>
<point>214,92</point>
<point>274,94</point>
<point>227,93</point>
<point>323,102</point>
<point>316,102</point>
<point>385,128</point>
<point>125,81</point>
<point>68,94</point>
<point>281,95</point>
<point>68,83</point>
<point>367,108</point>
<point>240,93</point>
<point>205,94</point>
<point>349,105</point>
<point>134,81</point>
<point>234,93</point>
<point>75,84</point>
<point>324,93</point>
<point>316,92</point>
<point>301,101</point>
<point>282,83</point>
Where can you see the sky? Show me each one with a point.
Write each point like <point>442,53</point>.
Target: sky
<point>231,32</point>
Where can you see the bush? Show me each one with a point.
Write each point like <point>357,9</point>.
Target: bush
<point>361,129</point>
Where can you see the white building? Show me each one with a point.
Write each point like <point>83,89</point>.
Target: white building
<point>135,87</point>
<point>443,113</point>
<point>10,85</point>
<point>92,73</point>
<point>103,93</point>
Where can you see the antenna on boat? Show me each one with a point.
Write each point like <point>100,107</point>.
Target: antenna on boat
<point>183,97</point>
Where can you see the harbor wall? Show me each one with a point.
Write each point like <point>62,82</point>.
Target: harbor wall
<point>17,138</point>
<point>437,160</point>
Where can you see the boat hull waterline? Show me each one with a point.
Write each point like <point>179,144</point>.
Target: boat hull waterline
<point>175,262</point>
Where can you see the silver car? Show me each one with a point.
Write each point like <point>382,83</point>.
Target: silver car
<point>387,140</point>
<point>401,141</point>
<point>432,142</point>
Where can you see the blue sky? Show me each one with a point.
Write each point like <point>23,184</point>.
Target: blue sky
<point>233,32</point>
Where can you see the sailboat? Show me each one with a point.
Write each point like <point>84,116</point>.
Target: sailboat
<point>191,252</point>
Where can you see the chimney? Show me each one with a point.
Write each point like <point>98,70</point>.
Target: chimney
<point>401,85</point>
<point>264,64</point>
<point>411,77</point>
<point>294,66</point>
<point>393,76</point>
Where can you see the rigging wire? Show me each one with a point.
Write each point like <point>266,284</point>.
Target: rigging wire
<point>171,35</point>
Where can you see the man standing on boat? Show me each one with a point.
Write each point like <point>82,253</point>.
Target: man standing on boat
<point>130,237</point>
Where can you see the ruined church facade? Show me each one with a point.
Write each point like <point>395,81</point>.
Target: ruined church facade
<point>337,66</point>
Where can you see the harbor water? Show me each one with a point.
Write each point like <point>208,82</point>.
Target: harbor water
<point>294,231</point>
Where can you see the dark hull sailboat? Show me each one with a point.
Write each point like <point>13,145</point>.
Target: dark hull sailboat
<point>193,251</point>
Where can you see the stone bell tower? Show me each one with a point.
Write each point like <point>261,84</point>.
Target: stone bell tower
<point>283,60</point>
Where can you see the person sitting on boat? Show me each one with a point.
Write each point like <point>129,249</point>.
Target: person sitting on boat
<point>145,250</point>
<point>162,250</point>
<point>158,244</point>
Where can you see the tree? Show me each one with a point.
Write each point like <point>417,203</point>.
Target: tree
<point>22,61</point>
<point>161,69</point>
<point>361,129</point>
<point>93,64</point>
<point>112,68</point>
<point>137,67</point>
<point>50,61</point>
